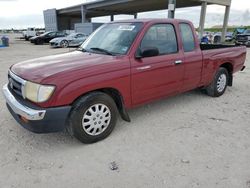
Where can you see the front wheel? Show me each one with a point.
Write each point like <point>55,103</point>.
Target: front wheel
<point>93,117</point>
<point>219,85</point>
<point>64,44</point>
<point>39,42</point>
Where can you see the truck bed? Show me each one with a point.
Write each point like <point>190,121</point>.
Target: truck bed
<point>213,55</point>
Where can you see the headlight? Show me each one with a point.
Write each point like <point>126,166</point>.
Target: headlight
<point>55,41</point>
<point>37,93</point>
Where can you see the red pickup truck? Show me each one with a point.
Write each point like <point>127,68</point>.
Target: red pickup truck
<point>120,66</point>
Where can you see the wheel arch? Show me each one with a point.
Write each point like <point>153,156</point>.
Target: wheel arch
<point>116,96</point>
<point>229,67</point>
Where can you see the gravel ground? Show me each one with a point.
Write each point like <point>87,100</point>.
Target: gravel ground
<point>190,140</point>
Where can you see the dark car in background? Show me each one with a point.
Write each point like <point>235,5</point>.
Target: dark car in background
<point>243,39</point>
<point>46,37</point>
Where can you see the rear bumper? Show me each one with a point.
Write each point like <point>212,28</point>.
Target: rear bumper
<point>36,119</point>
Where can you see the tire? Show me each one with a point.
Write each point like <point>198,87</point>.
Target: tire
<point>64,44</point>
<point>39,42</point>
<point>36,42</point>
<point>219,85</point>
<point>83,116</point>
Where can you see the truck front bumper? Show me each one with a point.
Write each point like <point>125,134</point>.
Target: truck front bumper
<point>35,119</point>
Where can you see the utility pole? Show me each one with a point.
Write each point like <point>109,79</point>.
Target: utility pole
<point>202,18</point>
<point>225,24</point>
<point>171,8</point>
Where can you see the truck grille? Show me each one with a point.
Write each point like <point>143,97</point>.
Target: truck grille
<point>242,38</point>
<point>15,83</point>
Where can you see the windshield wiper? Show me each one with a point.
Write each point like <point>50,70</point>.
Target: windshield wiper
<point>103,50</point>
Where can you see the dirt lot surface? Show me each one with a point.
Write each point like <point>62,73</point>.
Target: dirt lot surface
<point>190,140</point>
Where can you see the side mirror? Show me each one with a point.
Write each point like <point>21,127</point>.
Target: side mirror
<point>148,52</point>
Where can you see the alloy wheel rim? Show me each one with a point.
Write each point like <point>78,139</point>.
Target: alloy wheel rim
<point>221,83</point>
<point>64,44</point>
<point>96,119</point>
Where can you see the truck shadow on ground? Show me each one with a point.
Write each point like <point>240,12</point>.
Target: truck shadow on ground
<point>165,105</point>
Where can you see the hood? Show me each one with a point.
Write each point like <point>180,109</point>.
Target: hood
<point>32,38</point>
<point>46,68</point>
<point>243,35</point>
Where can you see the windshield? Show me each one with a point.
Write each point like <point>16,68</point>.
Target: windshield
<point>247,31</point>
<point>72,35</point>
<point>45,33</point>
<point>112,38</point>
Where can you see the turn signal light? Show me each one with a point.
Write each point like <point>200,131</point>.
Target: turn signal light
<point>24,119</point>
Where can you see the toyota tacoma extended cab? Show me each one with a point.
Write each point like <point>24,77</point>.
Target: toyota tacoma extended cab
<point>120,66</point>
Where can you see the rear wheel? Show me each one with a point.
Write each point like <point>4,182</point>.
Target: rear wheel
<point>219,85</point>
<point>93,117</point>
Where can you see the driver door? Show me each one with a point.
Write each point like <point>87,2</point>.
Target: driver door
<point>161,75</point>
<point>50,36</point>
<point>79,39</point>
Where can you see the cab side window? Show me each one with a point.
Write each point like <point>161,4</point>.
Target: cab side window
<point>162,37</point>
<point>187,37</point>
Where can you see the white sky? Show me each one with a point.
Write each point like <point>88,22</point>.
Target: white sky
<point>22,13</point>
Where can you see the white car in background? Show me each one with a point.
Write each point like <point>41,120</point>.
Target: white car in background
<point>30,32</point>
<point>72,40</point>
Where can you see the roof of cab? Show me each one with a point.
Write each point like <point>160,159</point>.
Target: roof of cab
<point>150,20</point>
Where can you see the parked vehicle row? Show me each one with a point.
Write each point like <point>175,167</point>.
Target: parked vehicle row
<point>59,39</point>
<point>215,38</point>
<point>122,65</point>
<point>46,37</point>
<point>241,36</point>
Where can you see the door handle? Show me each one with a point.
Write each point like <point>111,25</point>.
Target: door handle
<point>144,68</point>
<point>178,62</point>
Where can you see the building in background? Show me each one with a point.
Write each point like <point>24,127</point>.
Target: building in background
<point>78,17</point>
